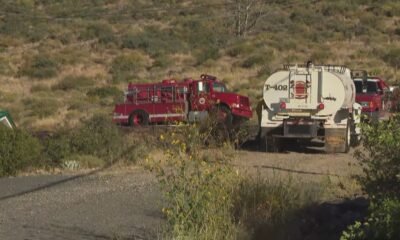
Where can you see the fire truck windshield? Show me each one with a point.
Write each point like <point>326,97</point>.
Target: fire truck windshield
<point>371,87</point>
<point>219,87</point>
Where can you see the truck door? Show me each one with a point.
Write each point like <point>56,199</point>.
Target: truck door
<point>200,96</point>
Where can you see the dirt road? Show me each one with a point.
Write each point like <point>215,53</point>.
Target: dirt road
<point>111,205</point>
<point>122,203</point>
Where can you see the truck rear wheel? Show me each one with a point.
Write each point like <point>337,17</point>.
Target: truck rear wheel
<point>138,118</point>
<point>338,140</point>
<point>268,144</point>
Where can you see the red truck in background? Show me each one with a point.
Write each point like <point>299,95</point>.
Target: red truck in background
<point>188,100</point>
<point>373,94</point>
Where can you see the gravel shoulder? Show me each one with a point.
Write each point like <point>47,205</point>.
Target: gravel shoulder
<point>125,203</point>
<point>103,205</point>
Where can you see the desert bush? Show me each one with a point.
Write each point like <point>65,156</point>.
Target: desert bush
<point>380,159</point>
<point>41,107</point>
<point>154,41</point>
<point>203,55</point>
<point>101,31</point>
<point>258,59</point>
<point>5,67</point>
<point>261,203</point>
<point>241,48</point>
<point>18,150</point>
<point>40,66</point>
<point>98,136</point>
<point>382,223</point>
<point>56,148</point>
<point>126,66</point>
<point>392,57</point>
<point>197,189</point>
<point>104,92</point>
<point>73,82</point>
<point>40,88</point>
<point>207,198</point>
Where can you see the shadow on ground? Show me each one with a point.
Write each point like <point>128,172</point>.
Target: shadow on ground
<point>288,146</point>
<point>322,221</point>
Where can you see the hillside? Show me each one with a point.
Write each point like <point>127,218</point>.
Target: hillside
<point>63,60</point>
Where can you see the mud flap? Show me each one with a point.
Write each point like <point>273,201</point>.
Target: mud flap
<point>336,140</point>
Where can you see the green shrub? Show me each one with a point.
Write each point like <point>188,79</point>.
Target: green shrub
<point>258,59</point>
<point>393,58</point>
<point>18,150</point>
<point>154,41</point>
<point>98,136</point>
<point>57,147</point>
<point>73,82</point>
<point>104,92</point>
<point>41,107</point>
<point>101,31</point>
<point>380,159</point>
<point>197,189</point>
<point>382,223</point>
<point>40,88</point>
<point>5,67</point>
<point>203,55</point>
<point>262,203</point>
<point>242,48</point>
<point>41,67</point>
<point>125,67</point>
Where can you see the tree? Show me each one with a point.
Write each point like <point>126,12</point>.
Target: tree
<point>246,14</point>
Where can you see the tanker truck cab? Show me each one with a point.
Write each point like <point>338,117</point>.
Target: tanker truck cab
<point>305,102</point>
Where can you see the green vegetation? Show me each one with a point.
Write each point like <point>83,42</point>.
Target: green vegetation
<point>381,180</point>
<point>126,67</point>
<point>96,143</point>
<point>41,67</point>
<point>73,82</point>
<point>208,198</point>
<point>382,223</point>
<point>139,41</point>
<point>18,150</point>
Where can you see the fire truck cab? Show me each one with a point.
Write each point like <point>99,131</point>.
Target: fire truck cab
<point>188,100</point>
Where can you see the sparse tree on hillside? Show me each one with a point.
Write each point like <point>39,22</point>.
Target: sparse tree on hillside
<point>246,14</point>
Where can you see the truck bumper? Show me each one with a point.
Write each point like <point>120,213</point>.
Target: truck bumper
<point>370,116</point>
<point>290,129</point>
<point>120,119</point>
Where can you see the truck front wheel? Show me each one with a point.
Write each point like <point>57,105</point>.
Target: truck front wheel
<point>223,115</point>
<point>138,118</point>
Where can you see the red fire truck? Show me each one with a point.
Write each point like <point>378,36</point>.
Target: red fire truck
<point>373,94</point>
<point>188,100</point>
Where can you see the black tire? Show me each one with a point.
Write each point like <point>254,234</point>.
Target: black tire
<point>354,140</point>
<point>138,118</point>
<point>348,137</point>
<point>336,146</point>
<point>223,115</point>
<point>269,144</point>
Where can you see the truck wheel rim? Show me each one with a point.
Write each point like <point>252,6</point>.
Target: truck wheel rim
<point>137,120</point>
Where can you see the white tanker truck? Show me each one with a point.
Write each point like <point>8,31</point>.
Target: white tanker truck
<point>308,102</point>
